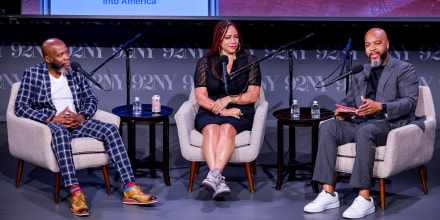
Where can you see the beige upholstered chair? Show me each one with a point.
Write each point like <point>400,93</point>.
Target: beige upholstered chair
<point>30,141</point>
<point>247,143</point>
<point>407,147</point>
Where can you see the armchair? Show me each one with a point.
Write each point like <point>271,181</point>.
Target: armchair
<point>247,143</point>
<point>407,147</point>
<point>30,141</point>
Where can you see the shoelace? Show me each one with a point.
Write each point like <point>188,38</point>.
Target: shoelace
<point>76,199</point>
<point>216,178</point>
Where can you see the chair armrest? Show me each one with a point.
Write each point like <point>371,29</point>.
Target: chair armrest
<point>30,141</point>
<point>107,117</point>
<point>185,123</point>
<point>259,125</point>
<point>409,146</point>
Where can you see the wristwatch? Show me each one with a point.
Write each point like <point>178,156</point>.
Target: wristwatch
<point>384,110</point>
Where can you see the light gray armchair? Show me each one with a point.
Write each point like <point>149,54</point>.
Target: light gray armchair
<point>247,143</point>
<point>407,147</point>
<point>30,141</point>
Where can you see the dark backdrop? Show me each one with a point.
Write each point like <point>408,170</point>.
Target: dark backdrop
<point>163,59</point>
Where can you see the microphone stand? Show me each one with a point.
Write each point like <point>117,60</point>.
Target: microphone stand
<point>348,64</point>
<point>282,48</point>
<point>127,65</point>
<point>290,76</point>
<point>128,75</point>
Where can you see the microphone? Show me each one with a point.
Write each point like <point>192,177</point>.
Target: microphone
<point>78,68</point>
<point>224,59</point>
<point>356,69</point>
<point>348,44</point>
<point>285,47</point>
<point>347,49</point>
<point>130,41</point>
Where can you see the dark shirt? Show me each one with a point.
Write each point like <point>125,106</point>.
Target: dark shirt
<point>373,81</point>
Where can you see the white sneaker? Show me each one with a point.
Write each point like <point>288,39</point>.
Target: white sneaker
<point>222,189</point>
<point>212,180</point>
<point>360,208</point>
<point>322,202</point>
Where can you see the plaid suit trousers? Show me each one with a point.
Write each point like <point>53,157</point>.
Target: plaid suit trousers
<point>105,132</point>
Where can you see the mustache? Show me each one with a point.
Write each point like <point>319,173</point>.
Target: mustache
<point>381,55</point>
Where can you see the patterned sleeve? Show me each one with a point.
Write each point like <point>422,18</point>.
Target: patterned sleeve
<point>88,100</point>
<point>200,76</point>
<point>255,74</point>
<point>25,104</point>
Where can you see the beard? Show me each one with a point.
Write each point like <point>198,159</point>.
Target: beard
<point>382,58</point>
<point>59,68</point>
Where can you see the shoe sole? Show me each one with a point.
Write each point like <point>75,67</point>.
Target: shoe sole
<point>134,202</point>
<point>221,194</point>
<point>330,206</point>
<point>79,213</point>
<point>369,212</point>
<point>208,186</point>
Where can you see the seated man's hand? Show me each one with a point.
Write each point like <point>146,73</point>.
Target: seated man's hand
<point>68,119</point>
<point>370,107</point>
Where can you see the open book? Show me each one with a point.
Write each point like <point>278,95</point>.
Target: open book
<point>347,110</point>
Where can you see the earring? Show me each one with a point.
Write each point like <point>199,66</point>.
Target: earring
<point>238,48</point>
<point>220,51</point>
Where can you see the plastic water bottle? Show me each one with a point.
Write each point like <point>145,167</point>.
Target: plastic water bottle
<point>294,110</point>
<point>137,107</point>
<point>316,113</point>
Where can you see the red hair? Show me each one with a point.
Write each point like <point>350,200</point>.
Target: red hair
<point>219,34</point>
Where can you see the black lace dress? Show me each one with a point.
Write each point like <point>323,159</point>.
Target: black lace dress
<point>209,74</point>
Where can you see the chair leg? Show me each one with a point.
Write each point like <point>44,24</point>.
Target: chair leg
<point>335,179</point>
<point>57,187</point>
<point>382,192</point>
<point>107,182</point>
<point>423,177</point>
<point>254,167</point>
<point>197,167</point>
<point>249,174</point>
<point>19,171</point>
<point>191,175</point>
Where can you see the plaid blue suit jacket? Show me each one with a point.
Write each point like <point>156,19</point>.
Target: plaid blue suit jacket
<point>34,99</point>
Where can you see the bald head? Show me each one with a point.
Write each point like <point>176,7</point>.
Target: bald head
<point>376,46</point>
<point>56,56</point>
<point>49,44</point>
<point>377,32</point>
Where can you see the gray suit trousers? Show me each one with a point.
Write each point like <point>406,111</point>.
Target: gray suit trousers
<point>367,135</point>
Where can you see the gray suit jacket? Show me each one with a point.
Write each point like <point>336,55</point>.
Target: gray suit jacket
<point>398,88</point>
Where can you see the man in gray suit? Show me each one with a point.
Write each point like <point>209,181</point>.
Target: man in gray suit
<point>385,95</point>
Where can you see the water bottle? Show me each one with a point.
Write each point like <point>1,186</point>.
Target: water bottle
<point>137,107</point>
<point>294,110</point>
<point>316,113</point>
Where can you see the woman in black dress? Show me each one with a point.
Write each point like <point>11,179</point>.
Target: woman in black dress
<point>225,110</point>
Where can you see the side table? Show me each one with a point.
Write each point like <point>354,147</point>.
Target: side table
<point>147,117</point>
<point>285,119</point>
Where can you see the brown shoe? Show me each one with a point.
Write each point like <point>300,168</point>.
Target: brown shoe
<point>137,196</point>
<point>78,205</point>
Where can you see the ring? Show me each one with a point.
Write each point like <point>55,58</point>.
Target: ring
<point>234,113</point>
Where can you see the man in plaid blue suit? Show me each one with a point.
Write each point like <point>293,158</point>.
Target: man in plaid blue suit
<point>52,94</point>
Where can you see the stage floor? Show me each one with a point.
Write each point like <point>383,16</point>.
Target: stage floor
<point>35,197</point>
